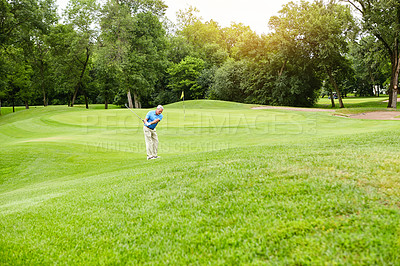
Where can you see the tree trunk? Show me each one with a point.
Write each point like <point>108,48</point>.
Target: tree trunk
<point>394,98</point>
<point>130,99</point>
<point>81,77</point>
<point>332,100</point>
<point>334,84</point>
<point>0,106</point>
<point>106,103</point>
<point>394,81</point>
<point>44,98</point>
<point>75,94</point>
<point>26,105</point>
<point>86,101</point>
<point>282,68</point>
<point>371,76</point>
<point>13,106</point>
<point>390,95</point>
<point>136,99</point>
<point>42,85</point>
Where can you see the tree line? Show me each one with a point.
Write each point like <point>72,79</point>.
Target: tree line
<point>122,51</point>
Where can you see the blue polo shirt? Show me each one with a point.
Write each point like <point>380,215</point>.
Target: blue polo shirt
<point>151,116</point>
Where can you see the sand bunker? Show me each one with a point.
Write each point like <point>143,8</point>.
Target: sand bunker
<point>380,115</point>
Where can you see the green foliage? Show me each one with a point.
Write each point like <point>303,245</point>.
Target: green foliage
<point>250,46</point>
<point>23,25</point>
<point>184,77</point>
<point>63,62</point>
<point>82,15</point>
<point>178,49</point>
<point>19,77</point>
<point>44,80</point>
<point>228,82</point>
<point>206,80</point>
<point>4,69</point>
<point>107,82</point>
<point>318,33</point>
<point>370,65</point>
<point>257,82</point>
<point>155,7</point>
<point>188,17</point>
<point>235,34</point>
<point>146,54</point>
<point>18,18</point>
<point>295,90</point>
<point>386,30</point>
<point>134,42</point>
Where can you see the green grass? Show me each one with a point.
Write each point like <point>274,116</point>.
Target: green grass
<point>234,186</point>
<point>356,105</point>
<point>8,110</point>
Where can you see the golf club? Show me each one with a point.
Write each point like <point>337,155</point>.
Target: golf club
<point>134,112</point>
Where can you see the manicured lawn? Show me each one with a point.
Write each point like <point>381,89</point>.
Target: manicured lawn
<point>234,185</point>
<point>354,105</point>
<point>8,110</point>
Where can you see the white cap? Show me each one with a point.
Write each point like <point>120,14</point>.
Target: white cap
<point>160,107</point>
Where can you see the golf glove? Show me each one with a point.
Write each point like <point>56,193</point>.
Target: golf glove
<point>147,123</point>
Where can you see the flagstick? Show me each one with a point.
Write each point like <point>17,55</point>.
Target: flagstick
<point>184,113</point>
<point>183,100</point>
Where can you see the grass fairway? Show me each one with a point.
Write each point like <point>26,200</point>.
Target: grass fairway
<point>356,104</point>
<point>234,185</point>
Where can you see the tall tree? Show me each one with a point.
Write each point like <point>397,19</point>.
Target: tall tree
<point>41,61</point>
<point>235,34</point>
<point>371,66</point>
<point>382,19</point>
<point>146,56</point>
<point>19,16</point>
<point>133,39</point>
<point>63,62</point>
<point>19,77</point>
<point>209,41</point>
<point>321,31</point>
<point>21,24</point>
<point>107,81</point>
<point>39,49</point>
<point>3,76</point>
<point>115,20</point>
<point>82,15</point>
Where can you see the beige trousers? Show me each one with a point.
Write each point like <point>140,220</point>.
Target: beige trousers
<point>150,136</point>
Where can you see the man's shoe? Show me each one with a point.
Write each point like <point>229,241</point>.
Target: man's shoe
<point>157,157</point>
<point>149,158</point>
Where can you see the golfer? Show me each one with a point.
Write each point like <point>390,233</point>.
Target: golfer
<point>150,135</point>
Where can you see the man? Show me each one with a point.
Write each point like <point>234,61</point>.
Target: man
<point>150,135</point>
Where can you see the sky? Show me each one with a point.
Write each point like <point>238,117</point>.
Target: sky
<point>253,13</point>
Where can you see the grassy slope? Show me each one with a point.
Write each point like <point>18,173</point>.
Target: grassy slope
<point>234,185</point>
